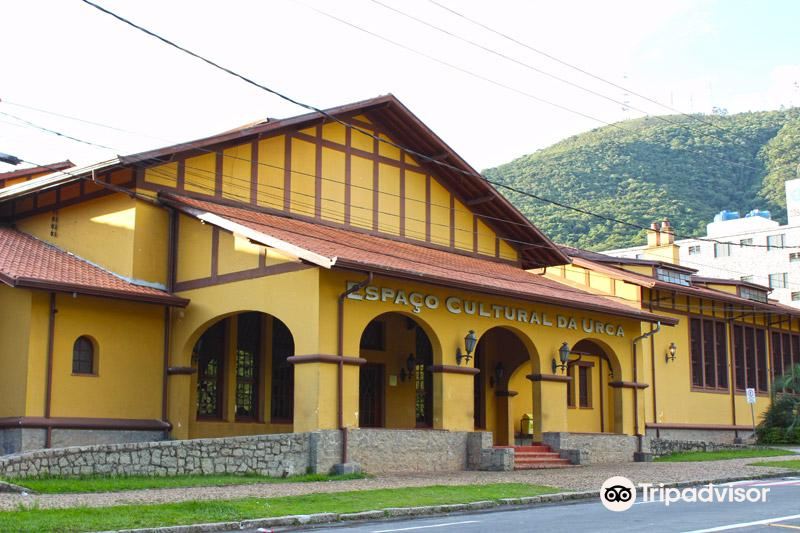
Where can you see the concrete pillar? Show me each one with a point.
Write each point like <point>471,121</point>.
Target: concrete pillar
<point>316,399</point>
<point>549,403</point>
<point>453,397</point>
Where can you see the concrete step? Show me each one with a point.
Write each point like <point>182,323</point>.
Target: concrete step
<point>542,466</point>
<point>550,460</point>
<point>534,455</point>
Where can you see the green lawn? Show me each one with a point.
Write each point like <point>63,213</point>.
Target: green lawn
<point>793,464</point>
<point>45,485</point>
<point>136,516</point>
<point>723,454</point>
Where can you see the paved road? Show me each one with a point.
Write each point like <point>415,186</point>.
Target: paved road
<point>780,513</point>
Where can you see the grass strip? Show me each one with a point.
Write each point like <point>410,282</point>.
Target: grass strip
<point>794,464</point>
<point>195,512</point>
<point>720,455</point>
<point>63,485</point>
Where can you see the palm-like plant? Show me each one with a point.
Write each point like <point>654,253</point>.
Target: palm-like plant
<point>781,421</point>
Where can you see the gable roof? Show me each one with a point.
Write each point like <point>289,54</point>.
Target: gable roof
<point>455,174</point>
<point>332,247</point>
<point>28,262</point>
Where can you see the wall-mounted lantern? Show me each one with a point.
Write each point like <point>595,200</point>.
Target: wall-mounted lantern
<point>497,378</point>
<point>563,356</point>
<point>469,345</point>
<point>408,371</point>
<point>671,351</point>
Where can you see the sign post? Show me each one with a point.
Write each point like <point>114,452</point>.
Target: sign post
<point>751,399</point>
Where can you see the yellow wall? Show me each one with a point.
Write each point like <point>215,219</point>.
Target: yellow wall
<point>396,176</point>
<point>129,359</point>
<point>15,323</point>
<point>121,234</point>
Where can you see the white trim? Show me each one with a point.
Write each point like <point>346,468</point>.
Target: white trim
<point>267,240</point>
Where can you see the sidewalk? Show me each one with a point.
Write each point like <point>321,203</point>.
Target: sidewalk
<point>569,479</point>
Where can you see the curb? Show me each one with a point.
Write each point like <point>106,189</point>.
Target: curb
<point>404,512</point>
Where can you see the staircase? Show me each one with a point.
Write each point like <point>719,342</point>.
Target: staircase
<point>537,456</point>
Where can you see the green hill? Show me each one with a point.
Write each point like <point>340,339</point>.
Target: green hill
<point>646,169</point>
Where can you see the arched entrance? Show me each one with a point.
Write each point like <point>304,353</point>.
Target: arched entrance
<point>242,375</point>
<point>503,360</point>
<point>591,401</point>
<point>396,383</point>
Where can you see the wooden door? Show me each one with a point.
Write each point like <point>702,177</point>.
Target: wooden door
<point>370,401</point>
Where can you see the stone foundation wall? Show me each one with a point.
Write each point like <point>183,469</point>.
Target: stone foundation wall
<point>668,446</point>
<point>17,440</point>
<point>285,454</point>
<point>592,448</point>
<point>718,436</point>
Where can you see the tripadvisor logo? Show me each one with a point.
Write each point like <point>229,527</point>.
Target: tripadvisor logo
<point>618,494</point>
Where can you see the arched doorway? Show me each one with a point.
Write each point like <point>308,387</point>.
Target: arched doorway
<point>590,399</point>
<point>396,382</point>
<point>243,376</point>
<point>502,358</point>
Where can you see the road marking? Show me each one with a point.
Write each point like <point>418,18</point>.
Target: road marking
<point>428,527</point>
<point>767,521</point>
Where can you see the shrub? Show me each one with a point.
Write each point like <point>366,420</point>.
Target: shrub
<point>780,423</point>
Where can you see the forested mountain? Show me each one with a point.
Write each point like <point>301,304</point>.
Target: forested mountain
<point>685,168</point>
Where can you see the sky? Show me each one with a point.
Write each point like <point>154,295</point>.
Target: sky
<point>492,101</point>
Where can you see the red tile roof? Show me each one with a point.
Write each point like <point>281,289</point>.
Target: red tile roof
<point>28,262</point>
<point>361,251</point>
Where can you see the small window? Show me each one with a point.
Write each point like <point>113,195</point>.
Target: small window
<point>673,276</point>
<point>746,242</point>
<point>778,281</point>
<point>774,241</point>
<point>83,356</point>
<point>722,249</point>
<point>584,387</point>
<point>796,296</point>
<point>753,294</point>
<point>694,250</point>
<point>794,257</point>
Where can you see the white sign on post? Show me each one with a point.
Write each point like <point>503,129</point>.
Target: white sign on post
<point>751,399</point>
<point>751,396</point>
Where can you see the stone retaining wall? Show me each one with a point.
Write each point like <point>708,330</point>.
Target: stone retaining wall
<point>286,454</point>
<point>668,446</point>
<point>592,448</point>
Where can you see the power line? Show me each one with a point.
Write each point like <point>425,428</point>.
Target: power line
<point>574,67</point>
<point>361,130</point>
<point>54,132</point>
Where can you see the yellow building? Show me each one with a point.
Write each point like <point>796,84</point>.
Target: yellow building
<point>345,270</point>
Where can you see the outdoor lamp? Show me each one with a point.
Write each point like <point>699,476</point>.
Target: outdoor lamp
<point>671,350</point>
<point>563,356</point>
<point>469,345</point>
<point>499,372</point>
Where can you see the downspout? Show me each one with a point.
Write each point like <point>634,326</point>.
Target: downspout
<point>340,353</point>
<point>732,374</point>
<point>164,390</point>
<point>653,373</point>
<point>636,390</point>
<point>170,285</point>
<point>48,392</point>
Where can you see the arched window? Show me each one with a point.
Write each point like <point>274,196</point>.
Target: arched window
<point>83,356</point>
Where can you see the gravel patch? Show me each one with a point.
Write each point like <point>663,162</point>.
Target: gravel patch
<point>569,479</point>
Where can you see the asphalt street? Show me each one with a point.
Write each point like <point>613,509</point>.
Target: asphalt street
<point>781,512</point>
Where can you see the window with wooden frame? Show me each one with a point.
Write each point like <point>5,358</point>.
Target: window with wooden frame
<point>785,352</point>
<point>248,365</point>
<point>750,358</point>
<point>584,386</point>
<point>210,353</point>
<point>571,386</point>
<point>84,356</point>
<point>282,397</point>
<point>709,352</point>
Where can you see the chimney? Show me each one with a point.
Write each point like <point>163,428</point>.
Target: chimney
<point>661,243</point>
<point>654,235</point>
